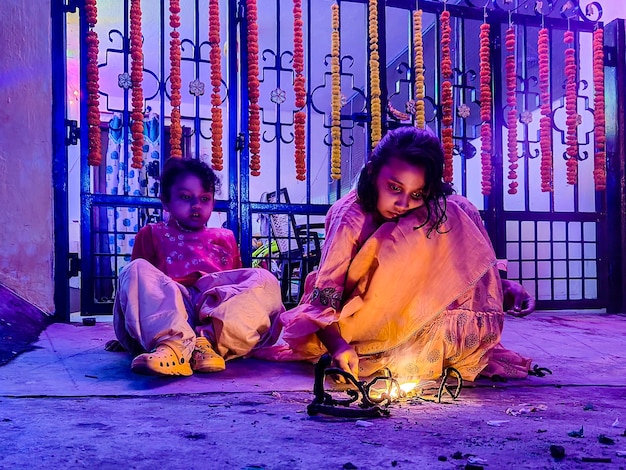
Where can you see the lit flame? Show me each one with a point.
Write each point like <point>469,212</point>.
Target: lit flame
<point>403,390</point>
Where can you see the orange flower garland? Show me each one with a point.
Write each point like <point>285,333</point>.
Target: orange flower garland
<point>176,132</point>
<point>217,154</point>
<point>136,77</point>
<point>485,109</point>
<point>300,91</point>
<point>93,101</point>
<point>545,123</point>
<point>418,50</point>
<point>511,101</point>
<point>571,109</point>
<point>335,129</point>
<point>254,111</point>
<point>374,62</point>
<point>599,161</point>
<point>446,96</point>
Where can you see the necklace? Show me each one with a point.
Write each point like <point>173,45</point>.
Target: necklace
<point>181,228</point>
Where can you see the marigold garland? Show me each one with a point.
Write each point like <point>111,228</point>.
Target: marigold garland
<point>485,109</point>
<point>418,51</point>
<point>511,101</point>
<point>599,160</point>
<point>374,63</point>
<point>94,156</point>
<point>545,123</point>
<point>176,133</point>
<point>446,96</point>
<point>299,91</point>
<point>335,73</point>
<point>254,110</point>
<point>136,77</point>
<point>217,154</point>
<point>571,108</point>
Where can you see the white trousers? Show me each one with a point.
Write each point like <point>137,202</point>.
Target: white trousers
<point>234,309</point>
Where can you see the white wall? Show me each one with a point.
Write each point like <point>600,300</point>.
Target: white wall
<point>26,236</point>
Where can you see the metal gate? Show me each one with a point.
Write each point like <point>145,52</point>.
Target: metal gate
<point>556,242</point>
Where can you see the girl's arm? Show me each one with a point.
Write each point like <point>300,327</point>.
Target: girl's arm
<point>344,355</point>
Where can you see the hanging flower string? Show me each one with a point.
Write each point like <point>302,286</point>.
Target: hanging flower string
<point>418,50</point>
<point>254,111</point>
<point>299,91</point>
<point>599,161</point>
<point>335,125</point>
<point>446,96</point>
<point>217,154</point>
<point>93,101</point>
<point>485,109</point>
<point>374,62</point>
<point>176,133</point>
<point>571,111</point>
<point>136,77</point>
<point>545,123</point>
<point>511,101</point>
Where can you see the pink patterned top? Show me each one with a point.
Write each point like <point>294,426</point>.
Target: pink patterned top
<point>186,256</point>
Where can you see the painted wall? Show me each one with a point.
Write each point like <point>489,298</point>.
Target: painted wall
<point>26,235</point>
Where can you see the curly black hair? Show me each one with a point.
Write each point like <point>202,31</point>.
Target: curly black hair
<point>419,147</point>
<point>174,168</point>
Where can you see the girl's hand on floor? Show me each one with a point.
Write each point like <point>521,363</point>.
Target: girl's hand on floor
<point>517,301</point>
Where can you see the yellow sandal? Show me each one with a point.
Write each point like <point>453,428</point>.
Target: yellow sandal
<point>163,360</point>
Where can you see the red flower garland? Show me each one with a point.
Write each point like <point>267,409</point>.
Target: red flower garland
<point>485,109</point>
<point>571,108</point>
<point>376,125</point>
<point>254,111</point>
<point>217,130</point>
<point>300,91</point>
<point>511,100</point>
<point>136,76</point>
<point>545,123</point>
<point>446,97</point>
<point>420,89</point>
<point>335,103</point>
<point>94,157</point>
<point>176,133</point>
<point>599,132</point>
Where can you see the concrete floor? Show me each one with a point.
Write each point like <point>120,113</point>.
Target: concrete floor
<point>70,404</point>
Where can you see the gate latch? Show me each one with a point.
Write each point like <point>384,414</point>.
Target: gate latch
<point>73,267</point>
<point>70,6</point>
<point>73,132</point>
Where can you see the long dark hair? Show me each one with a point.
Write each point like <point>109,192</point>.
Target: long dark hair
<point>174,168</point>
<point>418,147</point>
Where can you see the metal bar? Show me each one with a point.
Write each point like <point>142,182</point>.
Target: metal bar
<point>308,107</point>
<point>162,86</point>
<point>59,164</point>
<point>86,242</point>
<point>496,225</point>
<point>277,125</point>
<point>615,275</point>
<point>196,60</point>
<point>239,158</point>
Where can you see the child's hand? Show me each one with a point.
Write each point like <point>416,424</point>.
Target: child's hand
<point>517,301</point>
<point>346,358</point>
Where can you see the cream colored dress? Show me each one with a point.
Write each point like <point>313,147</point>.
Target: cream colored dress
<point>406,300</point>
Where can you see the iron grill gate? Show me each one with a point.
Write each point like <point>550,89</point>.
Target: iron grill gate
<point>555,243</point>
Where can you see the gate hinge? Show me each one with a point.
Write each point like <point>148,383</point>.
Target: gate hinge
<point>241,141</point>
<point>610,56</point>
<point>73,132</point>
<point>70,6</point>
<point>73,267</point>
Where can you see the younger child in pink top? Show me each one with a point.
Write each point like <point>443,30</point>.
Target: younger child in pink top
<point>184,303</point>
